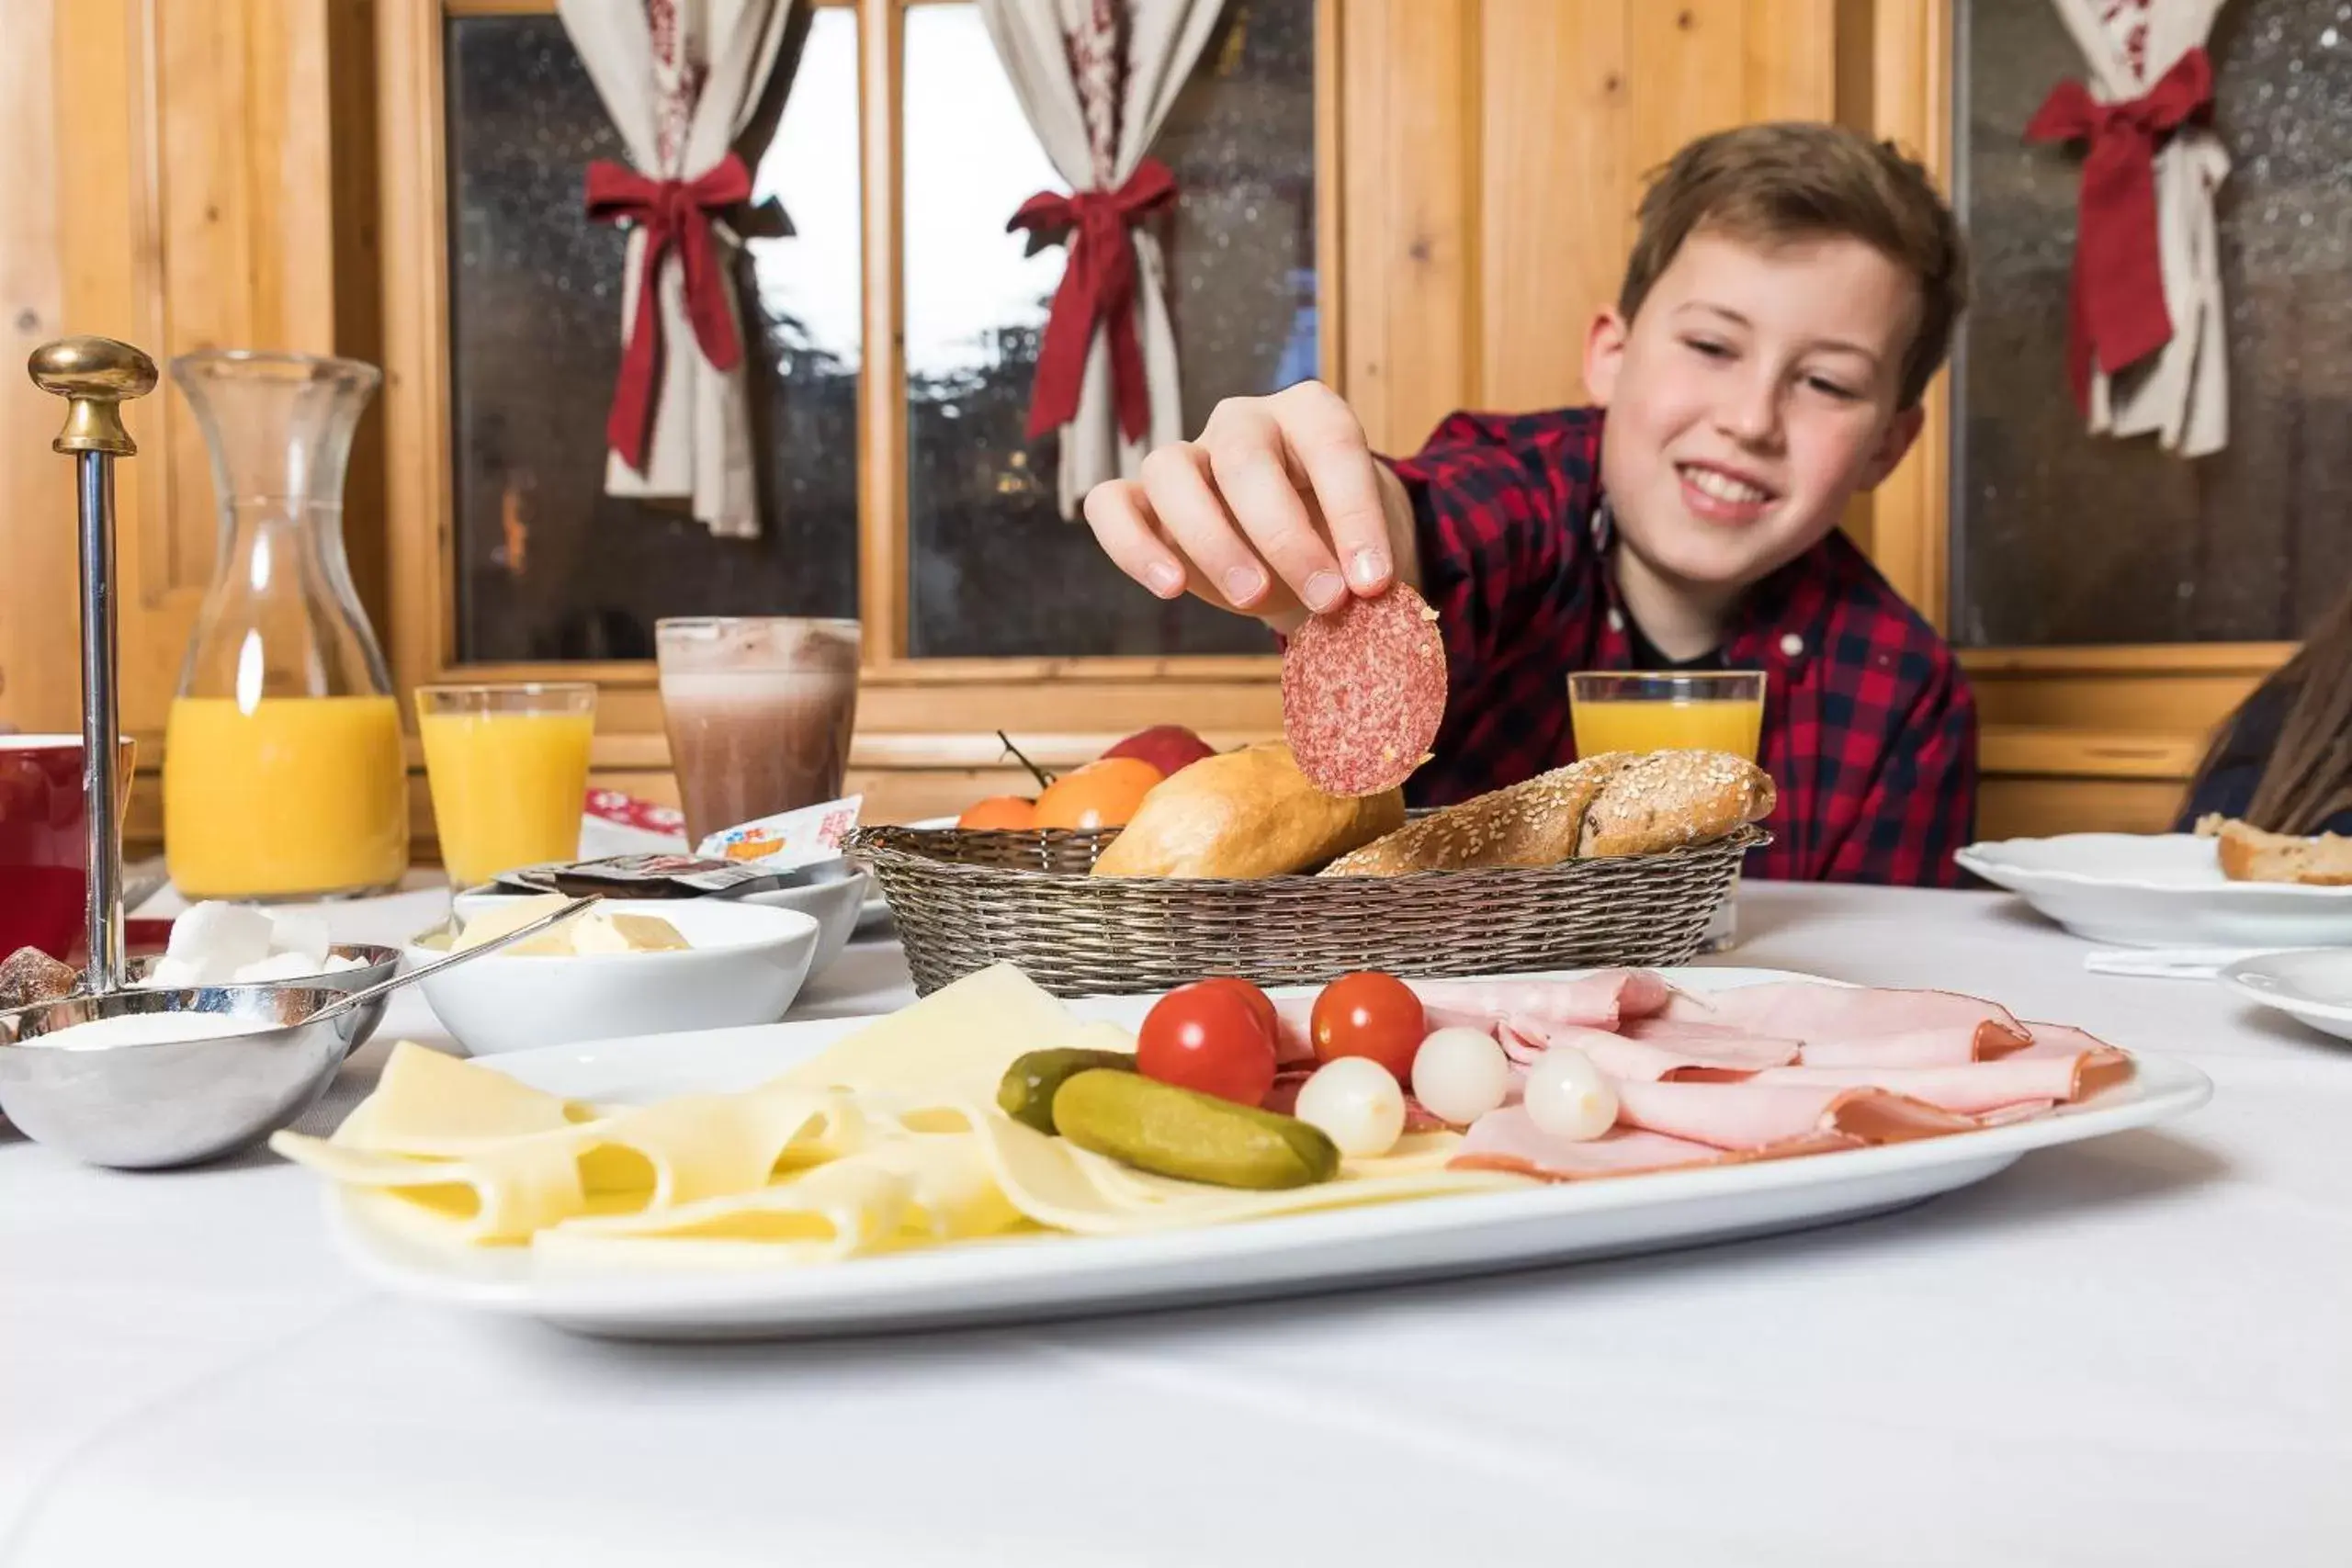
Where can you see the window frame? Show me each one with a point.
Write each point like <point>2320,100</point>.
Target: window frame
<point>932,703</point>
<point>2135,714</point>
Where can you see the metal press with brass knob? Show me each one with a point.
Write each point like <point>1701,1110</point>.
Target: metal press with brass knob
<point>96,376</point>
<point>99,376</point>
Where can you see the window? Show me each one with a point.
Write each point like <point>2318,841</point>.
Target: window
<point>996,569</point>
<point>2059,537</point>
<point>549,568</point>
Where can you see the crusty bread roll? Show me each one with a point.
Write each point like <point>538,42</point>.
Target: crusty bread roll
<point>2250,855</point>
<point>1616,804</point>
<point>1533,823</point>
<point>1244,814</point>
<point>1667,799</point>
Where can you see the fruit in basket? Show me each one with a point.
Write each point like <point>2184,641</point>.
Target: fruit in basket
<point>1166,747</point>
<point>1101,794</point>
<point>1369,1014</point>
<point>1194,1137</point>
<point>1210,1039</point>
<point>1017,812</point>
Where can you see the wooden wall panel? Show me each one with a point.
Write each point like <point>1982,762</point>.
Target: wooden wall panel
<point>1556,190</point>
<point>1408,96</point>
<point>38,683</point>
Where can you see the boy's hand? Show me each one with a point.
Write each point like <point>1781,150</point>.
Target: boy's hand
<point>1277,511</point>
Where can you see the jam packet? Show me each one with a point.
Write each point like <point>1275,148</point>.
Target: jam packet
<point>789,839</point>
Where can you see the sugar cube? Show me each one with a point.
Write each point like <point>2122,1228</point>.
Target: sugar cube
<point>29,976</point>
<point>220,938</point>
<point>302,931</point>
<point>277,966</point>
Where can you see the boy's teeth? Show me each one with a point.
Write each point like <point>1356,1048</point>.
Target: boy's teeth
<point>1723,487</point>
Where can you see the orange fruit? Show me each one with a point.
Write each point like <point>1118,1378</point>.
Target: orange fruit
<point>999,811</point>
<point>1100,795</point>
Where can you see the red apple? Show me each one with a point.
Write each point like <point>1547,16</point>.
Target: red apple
<point>1166,747</point>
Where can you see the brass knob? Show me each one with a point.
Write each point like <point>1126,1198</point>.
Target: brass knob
<point>97,375</point>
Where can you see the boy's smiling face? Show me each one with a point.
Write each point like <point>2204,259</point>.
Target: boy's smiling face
<point>1753,394</point>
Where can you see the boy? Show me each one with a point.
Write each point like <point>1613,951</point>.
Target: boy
<point>1792,290</point>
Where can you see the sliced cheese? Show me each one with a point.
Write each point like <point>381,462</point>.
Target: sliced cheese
<point>957,1041</point>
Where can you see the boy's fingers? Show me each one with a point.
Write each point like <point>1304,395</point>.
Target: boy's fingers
<point>1120,514</point>
<point>1248,456</point>
<point>1188,510</point>
<point>1328,446</point>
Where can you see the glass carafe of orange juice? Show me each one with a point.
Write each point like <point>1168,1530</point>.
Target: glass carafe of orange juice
<point>283,776</point>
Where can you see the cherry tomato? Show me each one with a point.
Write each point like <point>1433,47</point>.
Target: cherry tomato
<point>1369,1014</point>
<point>1207,1038</point>
<point>1260,1003</point>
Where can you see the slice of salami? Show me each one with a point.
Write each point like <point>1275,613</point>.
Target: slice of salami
<point>1363,688</point>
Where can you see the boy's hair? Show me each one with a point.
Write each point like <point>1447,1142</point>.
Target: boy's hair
<point>1798,179</point>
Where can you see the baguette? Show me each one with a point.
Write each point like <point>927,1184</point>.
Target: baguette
<point>1615,803</point>
<point>1533,823</point>
<point>1244,814</point>
<point>2248,853</point>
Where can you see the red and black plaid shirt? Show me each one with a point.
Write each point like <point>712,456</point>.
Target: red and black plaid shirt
<point>1869,732</point>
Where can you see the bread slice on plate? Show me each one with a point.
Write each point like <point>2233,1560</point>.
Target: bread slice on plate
<point>2250,855</point>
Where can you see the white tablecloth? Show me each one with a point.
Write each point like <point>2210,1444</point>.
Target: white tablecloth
<point>2137,1351</point>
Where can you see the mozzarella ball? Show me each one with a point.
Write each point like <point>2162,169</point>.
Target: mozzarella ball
<point>1356,1102</point>
<point>1460,1075</point>
<point>1568,1096</point>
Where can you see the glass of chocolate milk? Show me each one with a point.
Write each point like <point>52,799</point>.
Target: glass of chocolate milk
<point>760,711</point>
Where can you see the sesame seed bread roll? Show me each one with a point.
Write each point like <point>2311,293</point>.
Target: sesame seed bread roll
<point>1244,814</point>
<point>1667,799</point>
<point>1620,803</point>
<point>1534,823</point>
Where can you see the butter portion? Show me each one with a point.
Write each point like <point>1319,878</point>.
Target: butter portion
<point>592,932</point>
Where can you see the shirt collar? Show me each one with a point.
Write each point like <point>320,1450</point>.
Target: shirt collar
<point>1780,623</point>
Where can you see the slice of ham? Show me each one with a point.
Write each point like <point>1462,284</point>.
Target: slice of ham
<point>1801,1010</point>
<point>1599,1001</point>
<point>1948,1045</point>
<point>1647,1052</point>
<point>1510,1140</point>
<point>1761,1113</point>
<point>1970,1088</point>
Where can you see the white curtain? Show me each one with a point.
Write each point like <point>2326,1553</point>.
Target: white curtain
<point>1096,79</point>
<point>2180,394</point>
<point>681,79</point>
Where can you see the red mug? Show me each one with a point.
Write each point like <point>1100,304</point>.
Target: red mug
<point>44,838</point>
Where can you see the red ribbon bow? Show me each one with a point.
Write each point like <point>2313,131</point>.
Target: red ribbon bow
<point>1099,285</point>
<point>2117,309</point>
<point>672,212</point>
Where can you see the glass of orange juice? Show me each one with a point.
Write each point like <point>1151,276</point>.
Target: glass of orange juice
<point>1694,710</point>
<point>508,765</point>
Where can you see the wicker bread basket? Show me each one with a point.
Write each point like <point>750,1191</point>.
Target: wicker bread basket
<point>965,899</point>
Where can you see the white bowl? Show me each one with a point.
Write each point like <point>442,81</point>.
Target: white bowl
<point>835,897</point>
<point>2158,890</point>
<point>744,966</point>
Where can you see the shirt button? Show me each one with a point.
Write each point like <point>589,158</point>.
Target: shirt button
<point>1792,645</point>
<point>1616,619</point>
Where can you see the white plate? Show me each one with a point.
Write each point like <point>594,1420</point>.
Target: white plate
<point>2315,987</point>
<point>1064,1276</point>
<point>2158,890</point>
